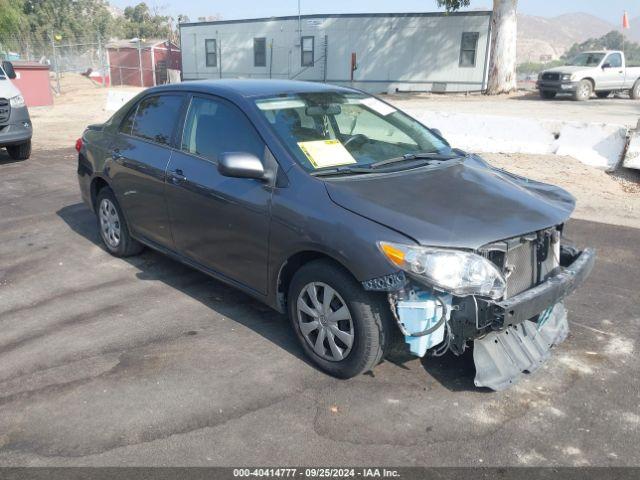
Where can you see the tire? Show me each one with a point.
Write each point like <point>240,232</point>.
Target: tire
<point>547,94</point>
<point>370,323</point>
<point>112,226</point>
<point>634,93</point>
<point>603,94</point>
<point>583,91</point>
<point>21,151</point>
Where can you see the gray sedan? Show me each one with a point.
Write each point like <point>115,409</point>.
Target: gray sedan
<point>331,205</point>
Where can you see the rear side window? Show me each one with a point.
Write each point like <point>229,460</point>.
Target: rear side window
<point>156,117</point>
<point>214,126</point>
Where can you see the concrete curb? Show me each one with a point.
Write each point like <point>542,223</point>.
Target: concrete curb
<point>595,144</point>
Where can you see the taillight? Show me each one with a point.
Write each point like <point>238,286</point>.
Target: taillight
<point>79,145</point>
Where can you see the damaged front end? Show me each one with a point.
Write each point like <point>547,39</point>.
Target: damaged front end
<point>513,317</point>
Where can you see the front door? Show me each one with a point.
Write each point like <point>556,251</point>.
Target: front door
<point>612,77</point>
<point>220,222</point>
<point>140,156</point>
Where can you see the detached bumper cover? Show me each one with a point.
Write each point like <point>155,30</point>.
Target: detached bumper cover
<point>502,357</point>
<point>532,302</point>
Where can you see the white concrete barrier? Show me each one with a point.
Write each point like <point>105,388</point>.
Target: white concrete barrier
<point>596,144</point>
<point>632,157</point>
<point>117,98</point>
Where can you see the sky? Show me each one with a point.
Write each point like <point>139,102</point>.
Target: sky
<point>610,10</point>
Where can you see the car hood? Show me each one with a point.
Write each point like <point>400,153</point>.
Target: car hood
<point>462,204</point>
<point>567,69</point>
<point>8,89</point>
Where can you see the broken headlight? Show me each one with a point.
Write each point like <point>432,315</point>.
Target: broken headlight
<point>454,271</point>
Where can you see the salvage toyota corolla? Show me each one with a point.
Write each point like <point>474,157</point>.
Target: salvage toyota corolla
<point>335,207</point>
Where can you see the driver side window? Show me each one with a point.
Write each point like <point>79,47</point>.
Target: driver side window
<point>213,127</point>
<point>614,60</point>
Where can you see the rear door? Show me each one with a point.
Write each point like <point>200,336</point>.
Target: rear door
<point>612,77</point>
<point>140,158</point>
<point>220,222</point>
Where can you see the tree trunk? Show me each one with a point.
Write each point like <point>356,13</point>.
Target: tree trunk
<point>504,30</point>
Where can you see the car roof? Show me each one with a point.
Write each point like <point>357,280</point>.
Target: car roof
<point>254,87</point>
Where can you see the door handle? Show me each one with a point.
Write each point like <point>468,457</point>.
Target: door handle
<point>177,176</point>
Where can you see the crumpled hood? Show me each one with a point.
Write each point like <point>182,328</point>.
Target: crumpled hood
<point>463,204</point>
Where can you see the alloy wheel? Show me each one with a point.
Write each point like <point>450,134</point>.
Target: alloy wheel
<point>109,223</point>
<point>325,321</point>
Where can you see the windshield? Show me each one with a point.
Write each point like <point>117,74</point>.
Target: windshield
<point>586,60</point>
<point>330,129</point>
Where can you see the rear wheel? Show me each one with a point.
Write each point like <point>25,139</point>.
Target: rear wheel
<point>342,328</point>
<point>584,91</point>
<point>634,93</point>
<point>547,94</point>
<point>20,152</point>
<point>114,231</point>
<point>603,94</point>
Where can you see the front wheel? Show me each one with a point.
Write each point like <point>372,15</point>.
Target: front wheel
<point>342,328</point>
<point>634,93</point>
<point>583,91</point>
<point>20,152</point>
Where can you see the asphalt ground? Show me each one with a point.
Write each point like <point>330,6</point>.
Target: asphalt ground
<point>144,361</point>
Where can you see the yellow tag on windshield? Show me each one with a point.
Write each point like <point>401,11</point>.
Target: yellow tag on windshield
<point>326,153</point>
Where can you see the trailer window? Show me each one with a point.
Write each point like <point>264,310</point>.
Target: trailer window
<point>260,52</point>
<point>468,49</point>
<point>211,52</point>
<point>308,45</point>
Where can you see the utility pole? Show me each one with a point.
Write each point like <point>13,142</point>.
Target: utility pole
<point>55,62</point>
<point>299,26</point>
<point>140,61</point>
<point>101,60</point>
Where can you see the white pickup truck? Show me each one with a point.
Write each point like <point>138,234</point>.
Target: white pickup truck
<point>601,72</point>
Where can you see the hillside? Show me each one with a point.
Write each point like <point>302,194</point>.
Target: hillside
<point>553,35</point>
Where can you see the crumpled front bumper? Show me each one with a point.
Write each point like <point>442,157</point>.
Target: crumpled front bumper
<point>530,303</point>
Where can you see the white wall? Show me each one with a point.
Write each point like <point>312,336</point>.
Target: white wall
<point>405,52</point>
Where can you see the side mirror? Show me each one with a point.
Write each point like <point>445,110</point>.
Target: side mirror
<point>437,132</point>
<point>606,65</point>
<point>8,69</point>
<point>241,165</point>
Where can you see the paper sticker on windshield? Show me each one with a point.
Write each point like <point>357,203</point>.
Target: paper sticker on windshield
<point>378,106</point>
<point>326,153</point>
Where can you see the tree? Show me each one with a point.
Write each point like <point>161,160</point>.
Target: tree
<point>139,21</point>
<point>11,21</point>
<point>611,41</point>
<point>504,29</point>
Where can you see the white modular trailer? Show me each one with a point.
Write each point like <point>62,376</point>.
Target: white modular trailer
<point>378,52</point>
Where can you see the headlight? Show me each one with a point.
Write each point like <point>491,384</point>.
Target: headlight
<point>17,101</point>
<point>566,77</point>
<point>454,271</point>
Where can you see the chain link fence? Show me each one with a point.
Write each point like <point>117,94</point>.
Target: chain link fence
<point>84,55</point>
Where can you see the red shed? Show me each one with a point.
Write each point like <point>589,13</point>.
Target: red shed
<point>32,79</point>
<point>142,63</point>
